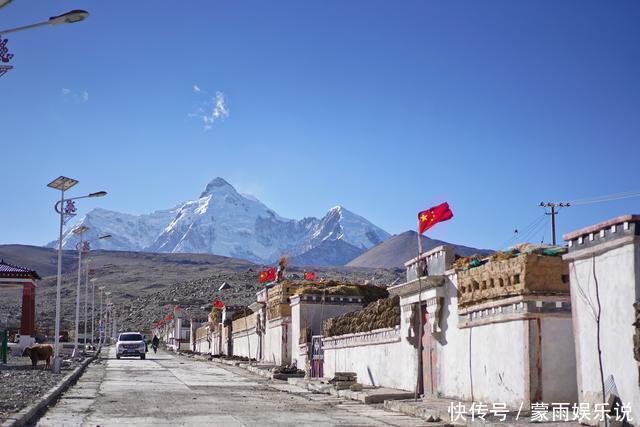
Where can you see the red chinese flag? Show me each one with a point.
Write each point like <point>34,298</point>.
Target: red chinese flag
<point>218,304</point>
<point>434,215</point>
<point>309,275</point>
<point>268,275</point>
<point>168,317</point>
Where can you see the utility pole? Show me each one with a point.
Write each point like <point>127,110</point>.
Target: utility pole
<point>553,213</point>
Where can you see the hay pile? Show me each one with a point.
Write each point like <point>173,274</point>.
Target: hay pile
<point>334,288</point>
<point>465,263</point>
<point>241,313</point>
<point>384,313</point>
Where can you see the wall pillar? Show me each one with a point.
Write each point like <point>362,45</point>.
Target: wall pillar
<point>28,319</point>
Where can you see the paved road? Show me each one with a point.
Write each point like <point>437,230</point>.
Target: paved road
<point>171,390</point>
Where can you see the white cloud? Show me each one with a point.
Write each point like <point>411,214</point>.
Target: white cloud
<point>75,96</point>
<point>211,110</point>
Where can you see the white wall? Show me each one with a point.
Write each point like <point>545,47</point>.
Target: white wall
<point>311,314</point>
<point>278,341</point>
<point>619,288</point>
<point>246,343</point>
<point>497,362</point>
<point>558,361</point>
<point>490,363</point>
<point>375,362</point>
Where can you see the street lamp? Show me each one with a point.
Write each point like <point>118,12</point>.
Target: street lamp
<point>86,287</point>
<point>66,18</point>
<point>62,184</point>
<point>79,246</point>
<point>107,305</point>
<point>100,324</point>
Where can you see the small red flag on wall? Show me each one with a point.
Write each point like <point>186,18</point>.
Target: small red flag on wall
<point>218,304</point>
<point>434,215</point>
<point>309,275</point>
<point>168,317</point>
<point>268,275</point>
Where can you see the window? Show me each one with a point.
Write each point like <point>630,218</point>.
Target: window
<point>484,285</point>
<point>565,278</point>
<point>516,279</point>
<point>501,282</point>
<point>130,337</point>
<point>492,284</point>
<point>476,285</point>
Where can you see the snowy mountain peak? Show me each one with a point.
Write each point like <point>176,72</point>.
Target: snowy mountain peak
<point>224,222</point>
<point>217,185</point>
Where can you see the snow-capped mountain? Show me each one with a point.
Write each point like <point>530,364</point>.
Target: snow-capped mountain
<point>128,232</point>
<point>224,222</point>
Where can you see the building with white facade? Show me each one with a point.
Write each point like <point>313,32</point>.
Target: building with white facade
<point>604,265</point>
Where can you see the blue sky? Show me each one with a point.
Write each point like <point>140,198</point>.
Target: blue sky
<point>385,107</point>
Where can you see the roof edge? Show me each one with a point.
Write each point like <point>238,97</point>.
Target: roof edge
<point>602,225</point>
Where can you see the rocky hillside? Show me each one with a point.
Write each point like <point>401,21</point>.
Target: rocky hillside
<point>144,283</point>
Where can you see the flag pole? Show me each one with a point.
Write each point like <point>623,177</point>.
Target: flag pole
<point>419,316</point>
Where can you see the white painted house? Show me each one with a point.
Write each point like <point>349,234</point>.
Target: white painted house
<point>604,264</point>
<point>507,341</point>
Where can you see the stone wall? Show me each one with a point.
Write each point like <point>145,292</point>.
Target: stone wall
<point>522,274</point>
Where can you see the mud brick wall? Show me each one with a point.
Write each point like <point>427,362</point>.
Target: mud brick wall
<point>244,323</point>
<point>202,332</point>
<point>524,274</point>
<point>278,299</point>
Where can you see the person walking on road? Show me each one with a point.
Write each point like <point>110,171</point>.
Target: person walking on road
<point>154,343</point>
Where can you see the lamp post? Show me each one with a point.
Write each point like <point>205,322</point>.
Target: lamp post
<point>107,315</point>
<point>86,288</point>
<point>80,246</point>
<point>101,324</point>
<point>66,18</point>
<point>93,310</point>
<point>62,184</point>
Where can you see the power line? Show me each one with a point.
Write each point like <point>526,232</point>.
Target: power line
<point>609,198</point>
<point>553,213</point>
<point>518,234</point>
<point>556,206</point>
<point>534,231</point>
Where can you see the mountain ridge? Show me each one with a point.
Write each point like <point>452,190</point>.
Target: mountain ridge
<point>399,248</point>
<point>224,222</point>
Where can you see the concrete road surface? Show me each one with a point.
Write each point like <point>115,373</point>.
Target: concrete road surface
<point>172,390</point>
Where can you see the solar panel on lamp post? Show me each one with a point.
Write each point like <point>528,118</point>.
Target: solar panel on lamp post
<point>62,184</point>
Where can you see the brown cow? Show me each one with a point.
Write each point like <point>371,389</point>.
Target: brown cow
<point>39,352</point>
